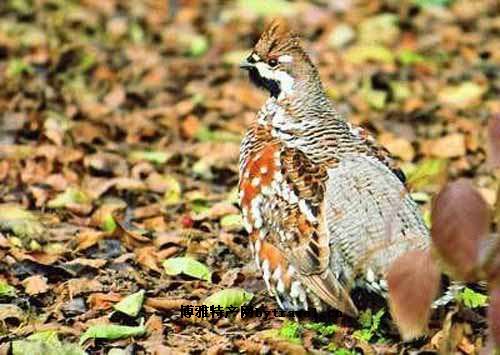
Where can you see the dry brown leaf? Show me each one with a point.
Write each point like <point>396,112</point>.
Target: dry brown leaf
<point>167,304</point>
<point>80,286</point>
<point>94,263</point>
<point>399,147</point>
<point>103,301</point>
<point>147,257</point>
<point>35,285</point>
<point>450,146</point>
<point>88,238</point>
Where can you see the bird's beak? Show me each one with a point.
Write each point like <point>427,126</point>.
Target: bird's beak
<point>245,64</point>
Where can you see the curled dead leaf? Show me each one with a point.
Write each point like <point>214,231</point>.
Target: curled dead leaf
<point>460,221</point>
<point>413,281</point>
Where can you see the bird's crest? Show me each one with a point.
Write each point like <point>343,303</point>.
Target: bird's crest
<point>277,38</point>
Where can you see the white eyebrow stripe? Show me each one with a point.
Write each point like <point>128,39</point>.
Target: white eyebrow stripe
<point>255,57</point>
<point>285,58</point>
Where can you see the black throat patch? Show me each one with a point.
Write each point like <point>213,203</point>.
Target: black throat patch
<point>271,85</point>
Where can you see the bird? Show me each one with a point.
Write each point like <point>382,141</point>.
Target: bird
<point>325,206</point>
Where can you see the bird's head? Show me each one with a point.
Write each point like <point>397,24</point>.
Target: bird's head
<point>278,63</point>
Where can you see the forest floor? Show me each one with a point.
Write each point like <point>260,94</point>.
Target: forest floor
<point>120,124</point>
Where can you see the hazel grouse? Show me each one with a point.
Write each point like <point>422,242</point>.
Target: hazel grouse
<point>325,206</point>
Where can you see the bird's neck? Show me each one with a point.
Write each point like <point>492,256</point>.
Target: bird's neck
<point>302,118</point>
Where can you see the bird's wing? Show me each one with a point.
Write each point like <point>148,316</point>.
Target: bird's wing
<point>369,217</point>
<point>305,241</point>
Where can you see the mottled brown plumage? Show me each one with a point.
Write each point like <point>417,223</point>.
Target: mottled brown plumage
<point>325,205</point>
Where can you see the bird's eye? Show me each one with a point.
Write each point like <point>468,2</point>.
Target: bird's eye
<point>273,62</point>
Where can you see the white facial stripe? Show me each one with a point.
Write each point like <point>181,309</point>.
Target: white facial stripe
<point>286,81</point>
<point>264,70</point>
<point>285,58</point>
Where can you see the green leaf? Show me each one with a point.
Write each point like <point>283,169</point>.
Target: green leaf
<point>132,304</point>
<point>400,90</point>
<point>291,332</point>
<point>47,336</point>
<point>17,67</point>
<point>232,222</point>
<point>112,332</point>
<point>198,46</point>
<point>461,95</point>
<point>136,33</point>
<point>425,173</point>
<point>427,3</point>
<point>375,98</point>
<point>157,157</point>
<point>363,53</point>
<point>188,266</point>
<point>322,328</point>
<point>409,57</point>
<point>370,323</point>
<point>172,195</point>
<point>229,297</point>
<point>204,134</point>
<point>108,224</point>
<point>46,343</point>
<point>472,299</point>
<point>6,290</point>
<point>267,7</point>
<point>70,196</point>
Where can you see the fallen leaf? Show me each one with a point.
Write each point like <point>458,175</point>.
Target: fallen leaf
<point>398,147</point>
<point>22,223</point>
<point>35,285</point>
<point>460,221</point>
<point>188,266</point>
<point>450,146</point>
<point>462,96</point>
<point>413,281</point>
<point>132,304</point>
<point>112,332</point>
<point>359,54</point>
<point>6,290</point>
<point>235,297</point>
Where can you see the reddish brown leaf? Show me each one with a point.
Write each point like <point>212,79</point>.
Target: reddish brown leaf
<point>99,301</point>
<point>413,281</point>
<point>460,220</point>
<point>494,141</point>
